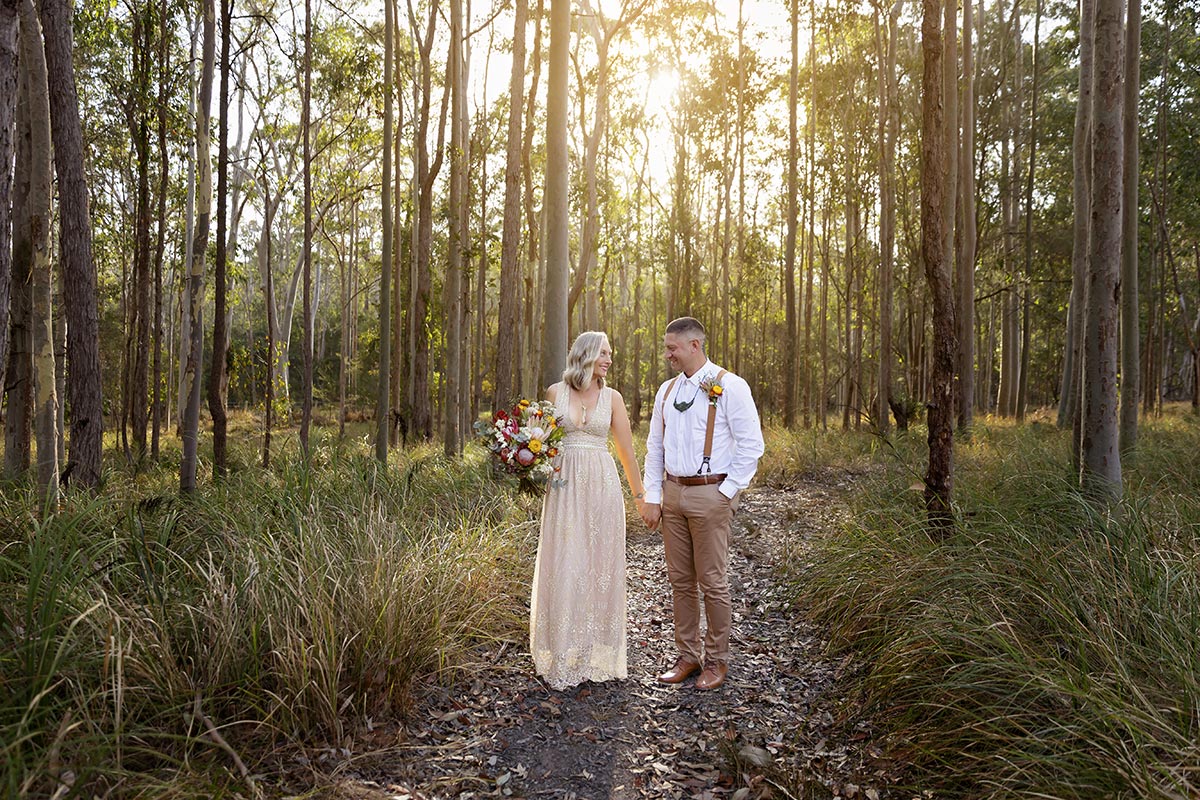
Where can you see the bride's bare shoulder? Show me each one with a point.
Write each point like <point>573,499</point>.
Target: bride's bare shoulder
<point>552,392</point>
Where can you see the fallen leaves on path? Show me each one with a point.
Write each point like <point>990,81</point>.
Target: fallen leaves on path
<point>778,728</point>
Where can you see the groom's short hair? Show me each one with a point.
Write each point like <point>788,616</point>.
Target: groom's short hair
<point>688,327</point>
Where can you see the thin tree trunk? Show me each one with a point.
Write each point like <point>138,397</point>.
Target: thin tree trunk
<point>139,333</point>
<point>452,290</point>
<point>265,255</point>
<point>195,354</point>
<point>45,396</point>
<point>793,212</point>
<point>216,375</point>
<point>189,225</point>
<point>8,108</point>
<point>967,232</point>
<point>811,124</point>
<point>1130,333</point>
<point>75,245</point>
<point>939,478</point>
<point>1101,458</point>
<point>1081,159</point>
<point>18,421</point>
<point>529,362</point>
<point>156,403</point>
<point>1026,318</point>
<point>426,176</point>
<point>385,301</point>
<point>554,352</point>
<point>306,390</point>
<point>508,342</point>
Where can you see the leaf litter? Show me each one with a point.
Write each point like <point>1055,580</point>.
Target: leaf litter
<point>780,727</point>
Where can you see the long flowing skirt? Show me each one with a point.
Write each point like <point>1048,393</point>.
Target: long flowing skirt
<point>577,616</point>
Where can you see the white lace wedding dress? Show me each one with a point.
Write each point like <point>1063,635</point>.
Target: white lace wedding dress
<point>577,611</point>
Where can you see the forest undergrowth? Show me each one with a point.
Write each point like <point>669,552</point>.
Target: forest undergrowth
<point>157,645</point>
<point>1048,648</point>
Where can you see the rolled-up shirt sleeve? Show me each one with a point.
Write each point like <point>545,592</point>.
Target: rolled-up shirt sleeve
<point>746,429</point>
<point>652,476</point>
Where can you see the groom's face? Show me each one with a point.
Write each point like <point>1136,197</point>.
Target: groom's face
<point>682,353</point>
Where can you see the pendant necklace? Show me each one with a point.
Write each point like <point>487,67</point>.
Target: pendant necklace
<point>681,406</point>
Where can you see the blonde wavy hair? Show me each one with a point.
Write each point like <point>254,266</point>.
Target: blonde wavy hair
<point>581,360</point>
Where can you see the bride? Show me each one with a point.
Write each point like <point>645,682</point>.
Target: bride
<point>577,610</point>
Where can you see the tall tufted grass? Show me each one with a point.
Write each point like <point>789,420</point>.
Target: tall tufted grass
<point>276,606</point>
<point>1048,649</point>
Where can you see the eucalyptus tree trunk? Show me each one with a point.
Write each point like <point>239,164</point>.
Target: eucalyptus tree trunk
<point>1101,458</point>
<point>75,249</point>
<point>452,296</point>
<point>164,174</point>
<point>530,358</point>
<point>793,188</point>
<point>889,123</point>
<point>967,234</point>
<point>306,389</point>
<point>8,108</point>
<point>1130,333</point>
<point>823,395</point>
<point>382,406</point>
<point>1156,307</point>
<point>45,396</point>
<point>950,98</point>
<point>268,301</point>
<point>1027,315</point>
<point>426,175</point>
<point>216,375</point>
<point>189,223</point>
<point>1081,161</point>
<point>204,190</point>
<point>138,334</point>
<point>810,394</point>
<point>508,340</point>
<point>556,198</point>
<point>18,420</point>
<point>1006,392</point>
<point>939,478</point>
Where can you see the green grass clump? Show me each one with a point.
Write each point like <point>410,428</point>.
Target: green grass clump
<point>273,606</point>
<point>1048,648</point>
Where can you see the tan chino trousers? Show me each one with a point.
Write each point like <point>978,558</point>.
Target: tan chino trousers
<point>695,531</point>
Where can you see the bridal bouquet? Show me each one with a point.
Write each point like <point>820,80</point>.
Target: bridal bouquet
<point>522,442</point>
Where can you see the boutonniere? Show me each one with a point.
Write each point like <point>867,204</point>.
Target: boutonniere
<point>713,388</point>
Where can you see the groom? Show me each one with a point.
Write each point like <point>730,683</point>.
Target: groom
<point>705,441</point>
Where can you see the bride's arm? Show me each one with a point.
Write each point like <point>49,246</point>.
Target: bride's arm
<point>623,438</point>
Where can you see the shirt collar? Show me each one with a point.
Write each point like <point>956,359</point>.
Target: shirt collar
<point>708,370</point>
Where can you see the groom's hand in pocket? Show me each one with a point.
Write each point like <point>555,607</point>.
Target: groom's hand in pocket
<point>651,514</point>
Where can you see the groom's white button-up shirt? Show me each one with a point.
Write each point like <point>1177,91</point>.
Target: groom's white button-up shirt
<point>737,433</point>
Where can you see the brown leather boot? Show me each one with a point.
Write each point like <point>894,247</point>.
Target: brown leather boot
<point>682,670</point>
<point>713,676</point>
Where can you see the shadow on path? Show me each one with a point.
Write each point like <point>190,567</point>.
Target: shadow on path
<point>778,727</point>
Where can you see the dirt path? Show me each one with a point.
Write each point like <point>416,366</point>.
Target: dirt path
<point>778,727</point>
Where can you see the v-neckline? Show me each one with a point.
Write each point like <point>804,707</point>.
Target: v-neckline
<point>582,421</point>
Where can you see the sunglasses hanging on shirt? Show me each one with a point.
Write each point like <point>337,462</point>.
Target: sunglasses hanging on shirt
<point>681,406</point>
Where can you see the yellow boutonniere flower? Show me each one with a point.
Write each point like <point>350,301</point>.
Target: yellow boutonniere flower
<point>713,389</point>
